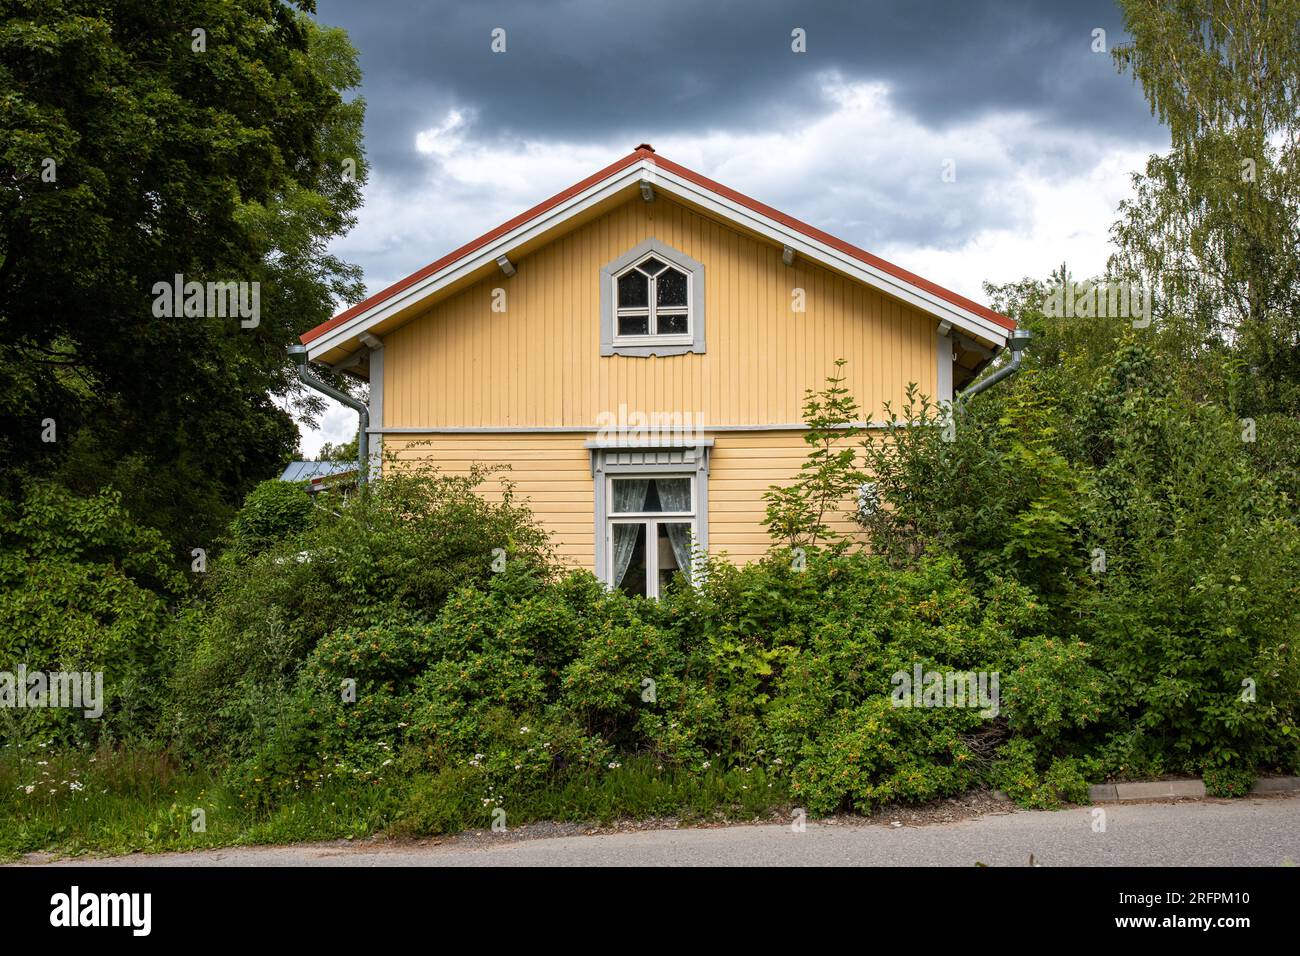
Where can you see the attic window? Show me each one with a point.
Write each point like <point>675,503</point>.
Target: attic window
<point>652,303</point>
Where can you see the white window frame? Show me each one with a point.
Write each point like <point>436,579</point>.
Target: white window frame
<point>651,309</point>
<point>643,346</point>
<point>651,520</point>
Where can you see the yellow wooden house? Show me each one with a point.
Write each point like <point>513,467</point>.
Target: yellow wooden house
<point>636,349</point>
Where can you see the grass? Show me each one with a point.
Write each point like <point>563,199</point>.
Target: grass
<point>124,801</point>
<point>114,801</point>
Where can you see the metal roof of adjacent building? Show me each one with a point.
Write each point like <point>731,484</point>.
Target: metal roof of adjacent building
<point>307,470</point>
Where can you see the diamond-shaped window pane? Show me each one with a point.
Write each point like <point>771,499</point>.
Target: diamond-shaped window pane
<point>652,266</point>
<point>633,291</point>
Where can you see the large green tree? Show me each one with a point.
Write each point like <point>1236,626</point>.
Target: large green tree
<point>1214,225</point>
<point>141,140</point>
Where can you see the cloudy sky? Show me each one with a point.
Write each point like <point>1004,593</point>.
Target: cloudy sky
<point>854,135</point>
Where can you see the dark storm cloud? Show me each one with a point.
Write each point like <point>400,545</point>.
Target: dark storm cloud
<point>587,68</point>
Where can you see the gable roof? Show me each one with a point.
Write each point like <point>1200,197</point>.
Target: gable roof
<point>611,183</point>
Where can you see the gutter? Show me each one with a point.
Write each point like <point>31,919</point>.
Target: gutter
<point>299,355</point>
<point>1018,342</point>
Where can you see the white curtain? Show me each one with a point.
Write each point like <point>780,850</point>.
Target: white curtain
<point>629,495</point>
<point>675,495</point>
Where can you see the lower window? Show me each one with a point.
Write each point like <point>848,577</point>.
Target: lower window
<point>650,531</point>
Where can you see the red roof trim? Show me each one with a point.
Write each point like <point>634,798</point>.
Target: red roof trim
<point>469,247</point>
<point>812,232</point>
<point>640,153</point>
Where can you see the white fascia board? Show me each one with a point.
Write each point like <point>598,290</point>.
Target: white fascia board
<point>830,256</point>
<point>484,255</point>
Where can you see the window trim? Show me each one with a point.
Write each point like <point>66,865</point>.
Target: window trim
<point>641,346</point>
<point>603,469</point>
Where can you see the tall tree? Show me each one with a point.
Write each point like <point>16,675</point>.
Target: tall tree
<point>1214,225</point>
<point>141,140</point>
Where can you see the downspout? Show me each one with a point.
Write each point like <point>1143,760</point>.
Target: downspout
<point>299,355</point>
<point>1018,342</point>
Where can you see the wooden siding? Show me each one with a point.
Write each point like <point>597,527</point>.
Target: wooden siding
<point>552,472</point>
<point>743,466</point>
<point>538,364</point>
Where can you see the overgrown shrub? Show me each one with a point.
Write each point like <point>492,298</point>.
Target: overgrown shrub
<point>876,753</point>
<point>272,511</point>
<point>1168,564</point>
<point>1108,557</point>
<point>525,684</point>
<point>393,553</point>
<point>83,588</point>
<point>1019,772</point>
<point>983,481</point>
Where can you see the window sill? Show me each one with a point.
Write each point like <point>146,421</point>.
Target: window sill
<point>647,346</point>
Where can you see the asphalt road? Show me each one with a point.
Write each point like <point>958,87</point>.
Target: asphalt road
<point>1258,831</point>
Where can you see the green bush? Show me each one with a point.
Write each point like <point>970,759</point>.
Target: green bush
<point>393,553</point>
<point>1166,564</point>
<point>287,760</point>
<point>1053,688</point>
<point>832,720</point>
<point>1228,781</point>
<point>443,802</point>
<point>1017,771</point>
<point>272,511</point>
<point>984,482</point>
<point>1109,553</point>
<point>620,672</point>
<point>1195,616</point>
<point>358,683</point>
<point>526,684</point>
<point>83,588</point>
<point>877,753</point>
